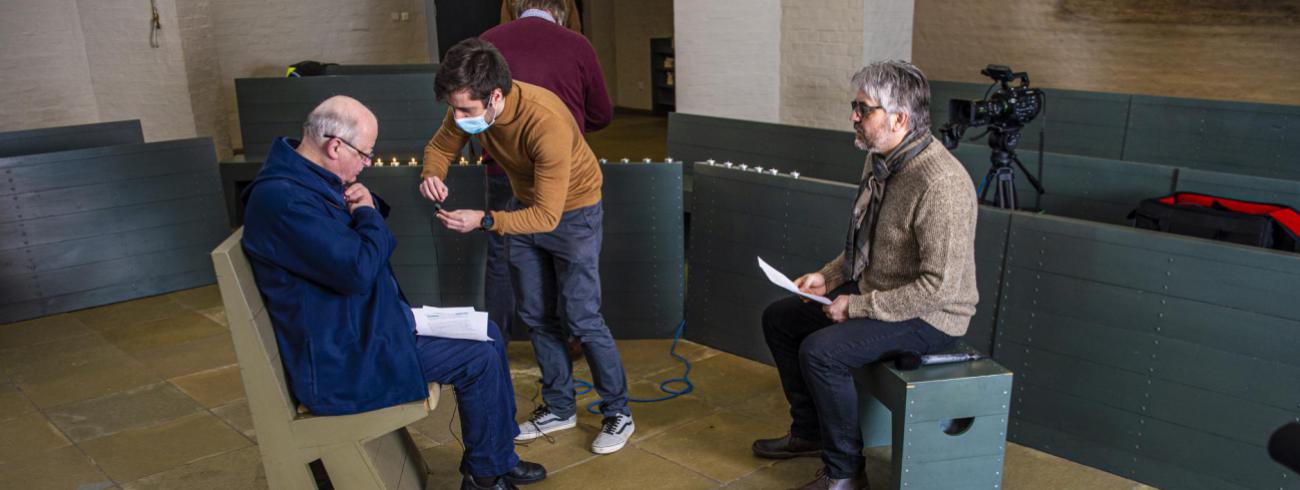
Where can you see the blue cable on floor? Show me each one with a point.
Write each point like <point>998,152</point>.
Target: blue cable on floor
<point>671,393</point>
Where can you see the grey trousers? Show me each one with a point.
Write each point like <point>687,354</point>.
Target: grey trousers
<point>557,285</point>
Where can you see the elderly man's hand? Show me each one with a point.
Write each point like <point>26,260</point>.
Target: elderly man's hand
<point>358,196</point>
<point>462,220</point>
<point>838,310</point>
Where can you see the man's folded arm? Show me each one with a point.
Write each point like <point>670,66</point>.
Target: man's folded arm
<point>346,258</point>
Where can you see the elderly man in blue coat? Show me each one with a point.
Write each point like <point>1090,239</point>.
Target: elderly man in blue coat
<point>319,250</point>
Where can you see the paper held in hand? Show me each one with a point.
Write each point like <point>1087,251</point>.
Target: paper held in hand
<point>779,279</point>
<point>451,323</point>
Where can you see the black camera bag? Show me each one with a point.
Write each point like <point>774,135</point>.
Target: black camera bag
<point>1216,218</point>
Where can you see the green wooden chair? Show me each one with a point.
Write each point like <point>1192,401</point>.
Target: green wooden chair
<point>947,424</point>
<point>369,450</point>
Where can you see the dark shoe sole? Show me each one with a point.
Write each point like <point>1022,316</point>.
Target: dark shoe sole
<point>788,455</point>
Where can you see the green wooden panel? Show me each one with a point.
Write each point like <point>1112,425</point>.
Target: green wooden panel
<point>1237,137</point>
<point>403,102</point>
<point>1077,122</point>
<point>64,138</point>
<point>982,472</point>
<point>820,153</point>
<point>1245,187</point>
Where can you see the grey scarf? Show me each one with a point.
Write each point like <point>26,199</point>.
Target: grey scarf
<point>871,191</point>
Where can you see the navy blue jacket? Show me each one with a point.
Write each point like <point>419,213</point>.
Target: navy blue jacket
<point>346,335</point>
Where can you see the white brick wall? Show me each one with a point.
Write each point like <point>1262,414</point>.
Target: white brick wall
<point>257,38</point>
<point>729,58</point>
<point>44,75</point>
<point>821,48</point>
<point>131,79</point>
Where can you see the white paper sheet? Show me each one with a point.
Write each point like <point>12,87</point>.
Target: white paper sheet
<point>451,323</point>
<point>780,279</point>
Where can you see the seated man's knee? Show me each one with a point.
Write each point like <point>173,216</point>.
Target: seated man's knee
<point>818,351</point>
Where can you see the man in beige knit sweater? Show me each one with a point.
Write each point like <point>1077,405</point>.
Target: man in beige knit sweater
<point>905,281</point>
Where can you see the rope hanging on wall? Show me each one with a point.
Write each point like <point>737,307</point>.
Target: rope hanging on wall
<point>155,26</point>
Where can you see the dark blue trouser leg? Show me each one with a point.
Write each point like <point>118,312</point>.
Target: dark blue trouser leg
<point>485,397</point>
<point>497,291</point>
<point>815,356</point>
<point>557,278</point>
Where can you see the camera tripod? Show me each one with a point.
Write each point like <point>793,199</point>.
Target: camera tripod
<point>1001,174</point>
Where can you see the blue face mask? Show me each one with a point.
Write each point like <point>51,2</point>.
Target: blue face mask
<point>476,124</point>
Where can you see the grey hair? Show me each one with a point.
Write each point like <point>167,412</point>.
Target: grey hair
<point>555,7</point>
<point>328,119</point>
<point>900,88</point>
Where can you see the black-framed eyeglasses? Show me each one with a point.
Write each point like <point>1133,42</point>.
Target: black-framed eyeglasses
<point>862,108</point>
<point>369,155</point>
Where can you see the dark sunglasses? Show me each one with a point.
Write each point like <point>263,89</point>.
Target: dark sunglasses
<point>369,155</point>
<point>862,108</point>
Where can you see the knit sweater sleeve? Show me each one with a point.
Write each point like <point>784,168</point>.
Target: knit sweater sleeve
<point>833,271</point>
<point>944,223</point>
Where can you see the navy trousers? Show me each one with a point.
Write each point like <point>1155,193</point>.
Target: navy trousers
<point>815,356</point>
<point>485,397</point>
<point>497,291</point>
<point>557,285</point>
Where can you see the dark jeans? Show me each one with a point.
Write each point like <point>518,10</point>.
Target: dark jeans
<point>497,291</point>
<point>557,285</point>
<point>814,357</point>
<point>485,397</point>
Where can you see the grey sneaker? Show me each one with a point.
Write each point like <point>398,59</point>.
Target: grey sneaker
<point>614,434</point>
<point>544,422</point>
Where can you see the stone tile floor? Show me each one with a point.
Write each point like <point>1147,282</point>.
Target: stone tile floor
<point>146,394</point>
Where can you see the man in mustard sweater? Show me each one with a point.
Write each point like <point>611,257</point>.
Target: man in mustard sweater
<point>905,281</point>
<point>553,228</point>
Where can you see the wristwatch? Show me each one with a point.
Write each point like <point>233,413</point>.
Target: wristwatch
<point>486,223</point>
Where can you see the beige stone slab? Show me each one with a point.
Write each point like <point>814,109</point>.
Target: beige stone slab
<point>216,314</point>
<point>167,332</point>
<point>630,468</point>
<point>133,454</point>
<point>443,463</point>
<point>28,433</point>
<point>13,403</point>
<point>790,473</point>
<point>139,407</point>
<point>199,298</point>
<point>92,373</point>
<point>237,415</point>
<point>213,387</point>
<point>56,469</point>
<point>189,357</point>
<point>129,312</point>
<point>41,330</point>
<point>1026,468</point>
<point>239,469</point>
<point>717,446</point>
<point>645,359</point>
<point>18,361</point>
<point>718,380</point>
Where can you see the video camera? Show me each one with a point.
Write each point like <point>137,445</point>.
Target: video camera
<point>1005,112</point>
<point>1009,108</point>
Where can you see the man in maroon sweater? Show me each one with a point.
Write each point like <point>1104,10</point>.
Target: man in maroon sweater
<point>541,52</point>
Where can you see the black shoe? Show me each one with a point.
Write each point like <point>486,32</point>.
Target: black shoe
<point>786,447</point>
<point>525,472</point>
<point>467,483</point>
